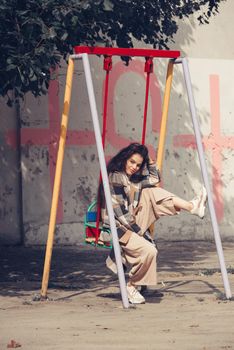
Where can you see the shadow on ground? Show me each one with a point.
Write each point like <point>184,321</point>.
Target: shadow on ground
<point>82,268</point>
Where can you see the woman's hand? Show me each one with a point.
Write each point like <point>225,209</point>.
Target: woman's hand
<point>151,161</point>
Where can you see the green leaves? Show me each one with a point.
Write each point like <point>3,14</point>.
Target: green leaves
<point>35,34</point>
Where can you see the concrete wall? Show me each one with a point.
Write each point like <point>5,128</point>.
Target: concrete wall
<point>10,179</point>
<point>211,62</point>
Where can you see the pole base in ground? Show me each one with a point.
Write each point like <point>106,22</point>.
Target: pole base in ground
<point>39,297</point>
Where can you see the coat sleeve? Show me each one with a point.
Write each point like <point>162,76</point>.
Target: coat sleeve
<point>151,176</point>
<point>120,204</point>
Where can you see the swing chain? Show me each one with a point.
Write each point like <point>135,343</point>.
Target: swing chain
<point>149,64</point>
<point>107,63</point>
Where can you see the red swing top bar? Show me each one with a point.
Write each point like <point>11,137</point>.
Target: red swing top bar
<point>116,51</point>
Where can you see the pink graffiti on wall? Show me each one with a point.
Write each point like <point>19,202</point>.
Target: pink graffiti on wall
<point>215,142</point>
<point>49,136</point>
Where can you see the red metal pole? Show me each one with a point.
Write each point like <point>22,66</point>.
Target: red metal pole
<point>118,51</point>
<point>148,70</point>
<point>107,66</point>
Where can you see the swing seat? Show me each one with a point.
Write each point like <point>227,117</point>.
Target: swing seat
<point>103,237</point>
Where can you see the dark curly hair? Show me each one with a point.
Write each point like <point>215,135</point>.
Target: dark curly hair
<point>118,162</point>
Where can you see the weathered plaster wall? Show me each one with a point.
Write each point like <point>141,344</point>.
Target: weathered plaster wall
<point>10,187</point>
<point>211,64</point>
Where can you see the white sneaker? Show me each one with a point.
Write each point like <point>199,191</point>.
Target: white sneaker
<point>199,204</point>
<point>134,296</point>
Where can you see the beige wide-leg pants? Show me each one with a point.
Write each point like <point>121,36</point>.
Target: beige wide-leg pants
<point>138,252</point>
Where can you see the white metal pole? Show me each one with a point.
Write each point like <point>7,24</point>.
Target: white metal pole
<point>205,177</point>
<point>106,186</point>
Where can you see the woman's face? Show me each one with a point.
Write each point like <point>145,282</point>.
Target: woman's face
<point>133,164</point>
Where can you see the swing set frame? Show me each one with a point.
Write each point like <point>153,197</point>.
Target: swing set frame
<point>82,52</point>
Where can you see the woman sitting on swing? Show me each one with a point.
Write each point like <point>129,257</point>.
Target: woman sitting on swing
<point>138,203</point>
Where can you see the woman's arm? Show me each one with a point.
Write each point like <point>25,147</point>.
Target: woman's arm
<point>151,175</point>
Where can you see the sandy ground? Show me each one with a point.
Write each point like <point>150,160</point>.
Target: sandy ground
<point>84,310</point>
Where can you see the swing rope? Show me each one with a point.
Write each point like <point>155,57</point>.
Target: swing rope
<point>107,66</point>
<point>148,70</point>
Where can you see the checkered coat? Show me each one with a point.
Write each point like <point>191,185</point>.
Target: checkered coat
<point>125,196</point>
